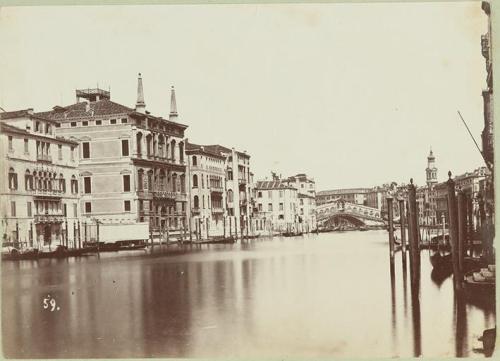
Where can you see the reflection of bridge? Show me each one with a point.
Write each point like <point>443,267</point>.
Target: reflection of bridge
<point>338,211</point>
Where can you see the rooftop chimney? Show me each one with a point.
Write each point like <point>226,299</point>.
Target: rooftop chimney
<point>173,104</point>
<point>140,106</point>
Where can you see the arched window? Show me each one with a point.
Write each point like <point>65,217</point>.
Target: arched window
<point>62,183</point>
<point>196,202</point>
<point>230,196</point>
<point>150,180</point>
<point>12,179</point>
<point>74,184</point>
<point>162,180</point>
<point>172,146</point>
<point>140,179</point>
<point>195,181</point>
<point>139,143</point>
<point>181,152</point>
<point>183,183</point>
<point>148,145</point>
<point>203,199</point>
<point>28,181</point>
<point>174,182</point>
<point>161,147</point>
<point>195,160</point>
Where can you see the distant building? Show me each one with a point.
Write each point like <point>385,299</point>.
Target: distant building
<point>431,171</point>
<point>351,195</point>
<point>39,190</point>
<point>277,202</point>
<point>132,164</point>
<point>306,189</point>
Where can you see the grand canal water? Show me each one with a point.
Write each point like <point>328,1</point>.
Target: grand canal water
<point>328,295</point>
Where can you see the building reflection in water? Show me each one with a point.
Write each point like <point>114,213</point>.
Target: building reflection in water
<point>415,304</point>
<point>393,309</point>
<point>301,297</point>
<point>460,326</point>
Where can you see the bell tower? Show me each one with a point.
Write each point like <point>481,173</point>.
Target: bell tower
<point>431,170</point>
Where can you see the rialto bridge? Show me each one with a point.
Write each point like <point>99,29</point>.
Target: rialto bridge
<point>339,211</point>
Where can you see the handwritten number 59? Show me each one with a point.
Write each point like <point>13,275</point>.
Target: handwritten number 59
<point>50,303</point>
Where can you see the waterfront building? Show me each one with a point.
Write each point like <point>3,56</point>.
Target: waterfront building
<point>220,190</point>
<point>131,163</point>
<point>207,193</point>
<point>306,192</point>
<point>277,202</point>
<point>39,191</point>
<point>486,49</point>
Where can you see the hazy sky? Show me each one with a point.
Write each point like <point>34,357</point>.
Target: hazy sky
<point>351,94</point>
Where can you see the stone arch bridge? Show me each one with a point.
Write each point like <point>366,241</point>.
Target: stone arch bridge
<point>339,211</point>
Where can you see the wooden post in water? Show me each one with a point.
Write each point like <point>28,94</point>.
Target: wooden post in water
<point>390,216</point>
<point>413,230</point>
<point>66,232</point>
<point>402,220</point>
<point>462,229</point>
<point>79,236</point>
<point>453,231</point>
<point>74,234</point>
<point>223,226</point>
<point>85,233</point>
<point>443,223</point>
<point>97,223</point>
<point>470,220</point>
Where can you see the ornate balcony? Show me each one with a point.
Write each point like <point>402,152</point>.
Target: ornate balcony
<point>242,181</point>
<point>195,210</point>
<point>47,193</point>
<point>46,158</point>
<point>216,189</point>
<point>164,195</point>
<point>49,218</point>
<point>217,210</point>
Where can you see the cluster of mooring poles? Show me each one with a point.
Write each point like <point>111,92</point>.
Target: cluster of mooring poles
<point>463,218</point>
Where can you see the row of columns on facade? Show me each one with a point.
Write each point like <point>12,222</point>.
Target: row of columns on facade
<point>153,146</point>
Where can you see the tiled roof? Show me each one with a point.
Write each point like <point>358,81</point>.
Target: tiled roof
<point>273,185</point>
<point>98,108</point>
<point>10,128</point>
<point>191,147</point>
<point>216,149</point>
<point>14,114</point>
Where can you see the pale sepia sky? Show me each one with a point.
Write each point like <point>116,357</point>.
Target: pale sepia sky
<point>351,94</point>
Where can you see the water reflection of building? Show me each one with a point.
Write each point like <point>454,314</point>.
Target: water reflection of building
<point>39,191</point>
<point>131,163</point>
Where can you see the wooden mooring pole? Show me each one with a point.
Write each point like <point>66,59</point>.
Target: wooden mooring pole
<point>413,235</point>
<point>453,231</point>
<point>462,229</point>
<point>390,216</point>
<point>402,220</point>
<point>470,230</point>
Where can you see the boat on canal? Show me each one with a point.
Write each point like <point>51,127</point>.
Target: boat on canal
<point>480,283</point>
